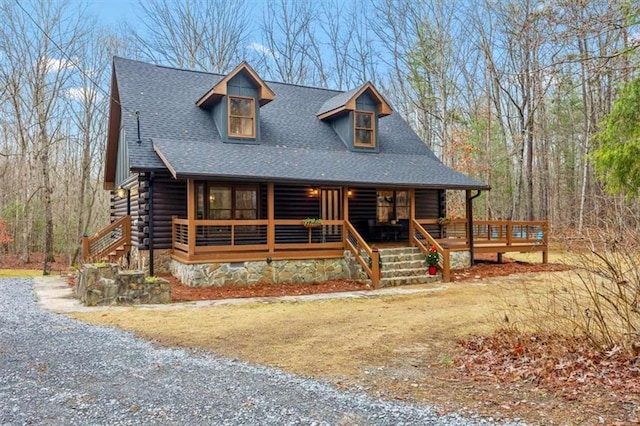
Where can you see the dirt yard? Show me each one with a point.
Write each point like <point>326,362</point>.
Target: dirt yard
<point>440,347</point>
<point>406,348</point>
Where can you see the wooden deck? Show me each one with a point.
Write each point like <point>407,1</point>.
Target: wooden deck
<point>499,236</point>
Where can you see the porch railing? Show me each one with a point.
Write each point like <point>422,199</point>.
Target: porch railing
<point>368,258</point>
<point>217,236</point>
<point>111,243</point>
<point>424,241</point>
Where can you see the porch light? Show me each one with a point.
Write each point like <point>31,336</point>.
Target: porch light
<point>121,192</point>
<point>313,192</point>
<point>349,193</point>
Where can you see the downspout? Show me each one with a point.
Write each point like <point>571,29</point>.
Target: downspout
<point>151,223</point>
<point>470,222</point>
<point>129,214</point>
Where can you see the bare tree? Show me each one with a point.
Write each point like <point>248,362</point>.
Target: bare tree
<point>203,35</point>
<point>38,40</point>
<point>288,41</point>
<point>88,111</point>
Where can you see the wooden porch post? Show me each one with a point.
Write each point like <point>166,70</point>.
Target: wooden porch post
<point>191,215</point>
<point>345,214</point>
<point>412,215</point>
<point>345,203</point>
<point>271,224</point>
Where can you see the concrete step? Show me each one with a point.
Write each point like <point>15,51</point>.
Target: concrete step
<point>399,273</point>
<point>404,264</point>
<point>407,257</point>
<point>400,254</point>
<point>400,250</point>
<point>419,279</point>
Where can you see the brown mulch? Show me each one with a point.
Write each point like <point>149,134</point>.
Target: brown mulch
<point>486,267</point>
<point>183,293</point>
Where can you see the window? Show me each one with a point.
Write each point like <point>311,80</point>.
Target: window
<point>241,117</point>
<point>220,206</point>
<point>226,202</point>
<point>364,134</point>
<point>246,203</point>
<point>392,205</point>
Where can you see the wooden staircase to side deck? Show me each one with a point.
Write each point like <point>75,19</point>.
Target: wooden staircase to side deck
<point>110,244</point>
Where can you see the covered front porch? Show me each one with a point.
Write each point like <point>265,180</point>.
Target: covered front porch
<point>280,221</point>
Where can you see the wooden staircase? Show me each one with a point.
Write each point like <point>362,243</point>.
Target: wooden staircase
<point>110,244</point>
<point>404,265</point>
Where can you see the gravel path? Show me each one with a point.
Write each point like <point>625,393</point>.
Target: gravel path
<point>55,370</point>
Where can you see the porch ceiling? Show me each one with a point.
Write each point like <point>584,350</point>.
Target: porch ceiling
<point>202,159</point>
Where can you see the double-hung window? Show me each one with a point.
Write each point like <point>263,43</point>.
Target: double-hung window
<point>364,135</point>
<point>242,117</point>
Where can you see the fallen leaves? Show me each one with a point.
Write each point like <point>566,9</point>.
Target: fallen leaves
<point>568,367</point>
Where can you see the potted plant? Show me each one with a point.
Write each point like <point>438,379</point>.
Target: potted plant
<point>433,257</point>
<point>444,220</point>
<point>311,222</point>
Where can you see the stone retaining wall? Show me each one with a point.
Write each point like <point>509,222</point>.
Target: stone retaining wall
<point>99,284</point>
<point>261,272</point>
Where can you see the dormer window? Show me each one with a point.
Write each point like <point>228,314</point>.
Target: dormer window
<point>354,115</point>
<point>234,104</point>
<point>364,133</point>
<point>242,117</point>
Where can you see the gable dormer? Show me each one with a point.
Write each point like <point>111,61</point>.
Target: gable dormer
<point>354,117</point>
<point>235,103</point>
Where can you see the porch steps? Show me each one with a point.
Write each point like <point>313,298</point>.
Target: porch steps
<point>404,265</point>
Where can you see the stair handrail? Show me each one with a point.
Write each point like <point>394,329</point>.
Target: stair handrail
<point>445,263</point>
<point>370,266</point>
<point>123,241</point>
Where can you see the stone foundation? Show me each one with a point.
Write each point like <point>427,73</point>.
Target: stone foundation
<point>459,259</point>
<point>100,284</point>
<point>244,274</point>
<point>161,260</point>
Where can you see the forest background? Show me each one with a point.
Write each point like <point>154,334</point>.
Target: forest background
<point>510,92</point>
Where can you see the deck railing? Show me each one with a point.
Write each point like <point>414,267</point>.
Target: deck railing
<point>510,232</point>
<point>111,243</point>
<point>368,258</point>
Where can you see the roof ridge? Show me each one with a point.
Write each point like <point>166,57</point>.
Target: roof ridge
<point>170,67</point>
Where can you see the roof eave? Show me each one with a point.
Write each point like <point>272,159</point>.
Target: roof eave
<point>113,133</point>
<point>228,177</point>
<point>384,109</point>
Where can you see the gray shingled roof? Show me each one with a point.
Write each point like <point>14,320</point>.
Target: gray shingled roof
<point>258,162</point>
<point>295,144</point>
<point>337,101</point>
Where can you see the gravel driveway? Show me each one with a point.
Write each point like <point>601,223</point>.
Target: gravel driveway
<point>55,370</point>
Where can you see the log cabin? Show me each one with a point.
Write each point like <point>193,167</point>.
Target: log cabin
<point>233,180</point>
